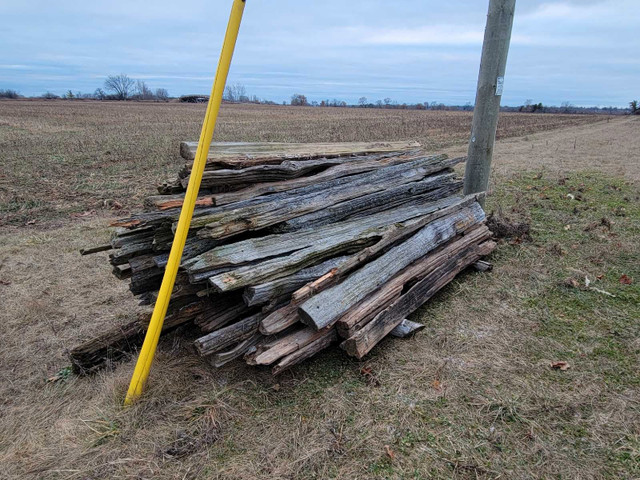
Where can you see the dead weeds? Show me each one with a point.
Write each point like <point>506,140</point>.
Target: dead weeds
<point>506,228</point>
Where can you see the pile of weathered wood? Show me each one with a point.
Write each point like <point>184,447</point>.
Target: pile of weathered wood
<point>294,247</point>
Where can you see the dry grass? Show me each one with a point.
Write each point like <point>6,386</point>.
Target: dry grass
<point>472,396</point>
<point>610,147</point>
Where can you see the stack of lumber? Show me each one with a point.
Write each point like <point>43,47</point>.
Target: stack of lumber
<point>293,247</point>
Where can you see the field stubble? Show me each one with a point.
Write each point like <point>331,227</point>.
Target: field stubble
<point>473,396</point>
<point>62,159</point>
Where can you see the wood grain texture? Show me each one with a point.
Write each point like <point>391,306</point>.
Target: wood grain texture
<point>211,197</point>
<point>269,246</point>
<point>305,352</point>
<point>110,346</point>
<point>182,311</point>
<point>227,336</point>
<point>328,306</point>
<point>193,247</point>
<point>428,190</point>
<point>366,338</point>
<point>223,310</point>
<point>122,271</point>
<point>286,345</point>
<point>130,250</point>
<point>222,358</point>
<point>269,291</point>
<point>279,267</point>
<point>278,229</point>
<point>289,253</point>
<point>362,312</point>
<point>287,170</point>
<point>280,319</point>
<point>227,222</point>
<point>493,63</point>
<point>244,154</point>
<point>396,233</point>
<point>256,205</point>
<point>342,170</point>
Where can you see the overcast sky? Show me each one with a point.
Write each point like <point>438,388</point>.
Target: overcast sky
<point>586,52</point>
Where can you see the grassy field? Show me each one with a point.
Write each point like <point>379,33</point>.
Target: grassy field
<point>472,396</point>
<point>67,158</point>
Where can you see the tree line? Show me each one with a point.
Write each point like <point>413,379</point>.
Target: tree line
<point>122,87</point>
<point>300,100</point>
<point>115,87</point>
<point>529,106</point>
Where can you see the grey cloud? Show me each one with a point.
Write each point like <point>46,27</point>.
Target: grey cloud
<point>579,51</point>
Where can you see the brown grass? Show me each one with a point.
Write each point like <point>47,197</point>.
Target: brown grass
<point>472,396</point>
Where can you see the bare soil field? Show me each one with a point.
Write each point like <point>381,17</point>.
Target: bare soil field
<point>472,396</point>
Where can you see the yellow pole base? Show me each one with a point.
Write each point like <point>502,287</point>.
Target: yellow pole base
<point>143,365</point>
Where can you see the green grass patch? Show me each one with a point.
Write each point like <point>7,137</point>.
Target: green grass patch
<point>18,204</point>
<point>585,230</point>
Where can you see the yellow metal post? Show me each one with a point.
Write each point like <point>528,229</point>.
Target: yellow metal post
<point>143,365</point>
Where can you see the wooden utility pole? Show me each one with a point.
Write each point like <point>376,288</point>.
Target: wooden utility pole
<point>497,35</point>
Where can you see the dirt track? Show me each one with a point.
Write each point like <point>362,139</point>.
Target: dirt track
<point>612,147</point>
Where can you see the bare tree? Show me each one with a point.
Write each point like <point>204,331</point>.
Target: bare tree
<point>241,92</point>
<point>527,105</point>
<point>121,85</point>
<point>362,101</point>
<point>143,91</point>
<point>633,105</point>
<point>235,93</point>
<point>9,93</point>
<point>299,100</point>
<point>566,107</point>
<point>229,94</point>
<point>162,94</point>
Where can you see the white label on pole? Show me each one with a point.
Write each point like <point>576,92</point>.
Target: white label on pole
<point>499,85</point>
